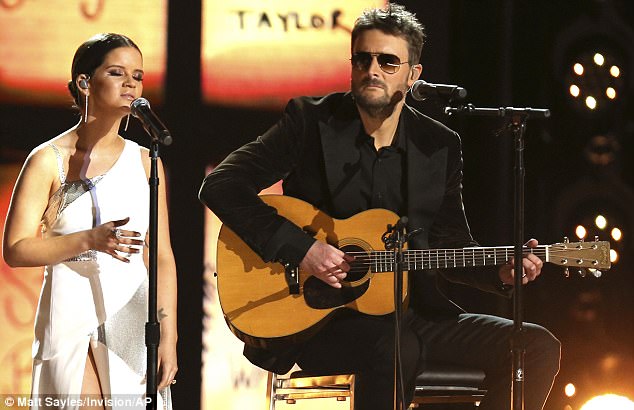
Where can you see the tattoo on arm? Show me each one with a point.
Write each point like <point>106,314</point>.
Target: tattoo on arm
<point>161,314</point>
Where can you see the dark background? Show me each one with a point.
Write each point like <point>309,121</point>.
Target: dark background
<point>505,53</point>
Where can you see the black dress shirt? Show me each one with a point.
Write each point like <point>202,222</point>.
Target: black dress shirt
<point>382,183</point>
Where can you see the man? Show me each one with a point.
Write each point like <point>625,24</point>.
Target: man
<point>345,153</point>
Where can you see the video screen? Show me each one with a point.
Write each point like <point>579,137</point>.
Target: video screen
<point>39,40</point>
<point>259,54</point>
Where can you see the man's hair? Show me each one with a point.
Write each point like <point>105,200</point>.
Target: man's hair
<point>396,21</point>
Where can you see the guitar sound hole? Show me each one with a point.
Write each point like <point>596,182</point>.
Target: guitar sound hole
<point>360,266</point>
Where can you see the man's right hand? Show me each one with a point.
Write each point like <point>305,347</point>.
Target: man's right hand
<point>327,263</point>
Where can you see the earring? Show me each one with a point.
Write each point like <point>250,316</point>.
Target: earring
<point>86,110</point>
<point>127,121</point>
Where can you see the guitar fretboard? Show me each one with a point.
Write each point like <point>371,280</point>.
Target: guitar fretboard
<point>383,261</point>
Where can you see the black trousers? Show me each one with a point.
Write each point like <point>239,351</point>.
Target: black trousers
<point>364,345</point>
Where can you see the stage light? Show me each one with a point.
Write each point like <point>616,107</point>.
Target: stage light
<point>578,68</point>
<point>610,93</point>
<point>570,390</point>
<point>598,59</point>
<point>615,71</point>
<point>616,234</point>
<point>581,231</point>
<point>608,402</point>
<point>600,222</point>
<point>614,256</point>
<point>595,80</point>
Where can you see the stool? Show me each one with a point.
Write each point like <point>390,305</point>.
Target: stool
<point>439,383</point>
<point>448,383</point>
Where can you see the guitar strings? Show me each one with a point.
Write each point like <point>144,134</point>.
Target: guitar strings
<point>445,258</point>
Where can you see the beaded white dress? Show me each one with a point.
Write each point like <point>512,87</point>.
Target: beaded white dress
<point>93,300</point>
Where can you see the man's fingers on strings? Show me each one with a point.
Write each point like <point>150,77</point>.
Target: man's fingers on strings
<point>332,280</point>
<point>530,270</point>
<point>340,275</point>
<point>344,266</point>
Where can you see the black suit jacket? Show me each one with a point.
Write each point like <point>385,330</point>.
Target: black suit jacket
<point>312,148</point>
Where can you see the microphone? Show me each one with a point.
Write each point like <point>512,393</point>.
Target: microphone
<point>422,90</point>
<point>140,108</point>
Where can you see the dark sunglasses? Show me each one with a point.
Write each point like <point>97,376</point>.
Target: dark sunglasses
<point>389,63</point>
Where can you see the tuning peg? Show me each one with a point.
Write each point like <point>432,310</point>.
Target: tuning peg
<point>582,273</point>
<point>567,272</point>
<point>595,272</point>
<point>566,239</point>
<point>596,238</point>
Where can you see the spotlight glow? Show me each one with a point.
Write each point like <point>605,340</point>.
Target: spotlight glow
<point>615,71</point>
<point>594,81</point>
<point>578,68</point>
<point>570,390</point>
<point>599,59</point>
<point>616,234</point>
<point>610,92</point>
<point>581,231</point>
<point>608,401</point>
<point>614,256</point>
<point>600,222</point>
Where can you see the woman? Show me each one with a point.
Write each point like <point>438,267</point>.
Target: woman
<point>80,208</point>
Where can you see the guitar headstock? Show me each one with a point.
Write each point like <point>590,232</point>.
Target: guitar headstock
<point>592,256</point>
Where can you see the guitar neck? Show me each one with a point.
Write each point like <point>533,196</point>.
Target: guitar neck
<point>383,261</point>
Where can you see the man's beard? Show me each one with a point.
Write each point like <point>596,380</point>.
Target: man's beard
<point>380,107</point>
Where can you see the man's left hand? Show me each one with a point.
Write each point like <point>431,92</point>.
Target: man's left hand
<point>532,267</point>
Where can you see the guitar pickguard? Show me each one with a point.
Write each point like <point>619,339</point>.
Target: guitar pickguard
<point>319,295</point>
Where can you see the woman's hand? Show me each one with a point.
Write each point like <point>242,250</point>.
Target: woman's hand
<point>167,364</point>
<point>114,241</point>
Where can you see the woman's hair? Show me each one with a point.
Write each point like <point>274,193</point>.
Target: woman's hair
<point>92,53</point>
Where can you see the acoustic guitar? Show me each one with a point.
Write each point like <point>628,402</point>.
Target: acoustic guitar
<point>265,304</point>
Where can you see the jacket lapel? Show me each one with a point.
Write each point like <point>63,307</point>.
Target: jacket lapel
<point>426,175</point>
<point>341,158</point>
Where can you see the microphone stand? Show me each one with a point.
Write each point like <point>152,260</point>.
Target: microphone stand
<point>516,118</point>
<point>152,327</point>
<point>140,108</point>
<point>394,238</point>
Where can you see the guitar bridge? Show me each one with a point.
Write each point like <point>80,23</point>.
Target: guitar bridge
<point>291,273</point>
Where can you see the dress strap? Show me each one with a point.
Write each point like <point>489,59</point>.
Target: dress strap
<point>60,163</point>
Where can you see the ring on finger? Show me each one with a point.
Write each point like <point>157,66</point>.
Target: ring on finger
<point>173,381</point>
<point>117,233</point>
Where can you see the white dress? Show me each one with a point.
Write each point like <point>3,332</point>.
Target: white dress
<point>93,299</point>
